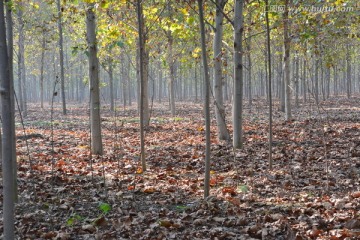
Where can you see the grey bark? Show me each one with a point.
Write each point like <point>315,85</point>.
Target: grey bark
<point>8,136</point>
<point>95,121</point>
<point>287,62</point>
<point>61,53</point>
<point>42,62</point>
<point>238,75</point>
<point>223,133</point>
<point>206,103</point>
<point>348,71</point>
<point>21,63</point>
<point>140,19</point>
<point>269,94</point>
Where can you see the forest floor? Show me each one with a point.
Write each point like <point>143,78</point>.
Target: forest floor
<point>312,192</point>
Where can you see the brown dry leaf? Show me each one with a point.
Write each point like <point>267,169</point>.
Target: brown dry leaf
<point>100,221</point>
<point>165,223</point>
<point>230,190</point>
<point>356,195</point>
<point>49,235</point>
<point>352,224</point>
<point>149,190</point>
<point>89,228</point>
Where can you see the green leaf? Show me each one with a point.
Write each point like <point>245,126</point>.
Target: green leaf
<point>104,4</point>
<point>120,44</point>
<point>105,207</point>
<point>243,189</point>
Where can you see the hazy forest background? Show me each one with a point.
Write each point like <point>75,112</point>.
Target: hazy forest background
<point>180,119</point>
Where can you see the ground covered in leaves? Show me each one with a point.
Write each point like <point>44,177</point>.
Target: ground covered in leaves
<point>312,191</point>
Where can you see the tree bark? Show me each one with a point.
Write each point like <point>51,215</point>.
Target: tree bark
<point>206,103</point>
<point>21,63</point>
<point>95,121</point>
<point>223,133</point>
<point>269,93</point>
<point>61,54</point>
<point>8,123</point>
<point>171,74</point>
<point>297,80</point>
<point>111,83</point>
<point>140,19</point>
<point>348,71</point>
<point>43,45</point>
<point>238,75</point>
<point>287,62</point>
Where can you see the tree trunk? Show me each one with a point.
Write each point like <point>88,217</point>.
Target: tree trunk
<point>348,71</point>
<point>287,62</point>
<point>223,133</point>
<point>160,80</point>
<point>43,45</point>
<point>304,85</point>
<point>8,123</point>
<point>61,54</point>
<point>248,46</point>
<point>297,80</point>
<point>111,83</point>
<point>207,102</point>
<point>316,79</point>
<point>21,63</point>
<point>268,70</point>
<point>172,74</point>
<point>140,18</point>
<point>238,74</point>
<point>335,81</point>
<point>95,121</point>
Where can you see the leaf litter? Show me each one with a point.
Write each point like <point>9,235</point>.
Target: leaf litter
<point>313,191</point>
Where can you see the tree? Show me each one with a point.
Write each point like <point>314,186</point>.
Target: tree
<point>287,62</point>
<point>223,133</point>
<point>207,101</point>
<point>142,82</point>
<point>268,71</point>
<point>171,62</point>
<point>21,62</point>
<point>61,53</point>
<point>7,116</point>
<point>95,121</point>
<point>238,74</point>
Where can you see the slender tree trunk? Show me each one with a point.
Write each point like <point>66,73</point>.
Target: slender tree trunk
<point>238,75</point>
<point>171,73</point>
<point>8,123</point>
<point>316,79</point>
<point>304,85</point>
<point>21,62</point>
<point>223,133</point>
<point>335,81</point>
<point>297,80</point>
<point>248,46</point>
<point>43,45</point>
<point>160,81</point>
<point>196,84</point>
<point>61,54</point>
<point>95,121</point>
<point>111,83</point>
<point>268,70</point>
<point>140,18</point>
<point>348,71</point>
<point>207,102</point>
<point>124,79</point>
<point>287,62</point>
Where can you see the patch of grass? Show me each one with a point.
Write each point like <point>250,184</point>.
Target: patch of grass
<point>130,120</point>
<point>178,119</point>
